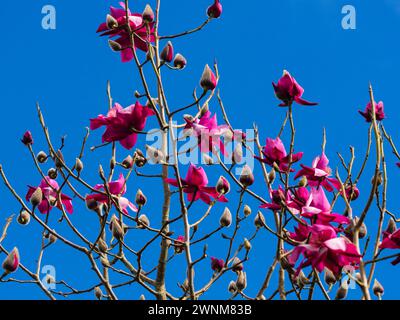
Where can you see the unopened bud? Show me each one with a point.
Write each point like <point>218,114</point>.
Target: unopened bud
<point>246,177</point>
<point>153,154</point>
<point>378,178</point>
<point>329,278</point>
<point>259,221</point>
<point>78,165</point>
<point>115,46</point>
<point>378,289</point>
<point>237,155</point>
<point>180,61</point>
<point>116,229</point>
<point>232,287</point>
<point>113,163</point>
<point>148,14</point>
<point>27,138</point>
<point>342,291</point>
<point>391,227</point>
<point>208,80</point>
<point>167,54</point>
<point>36,197</point>
<point>362,231</point>
<point>247,210</point>
<point>223,186</point>
<point>140,198</point>
<point>241,282</point>
<point>52,173</point>
<point>52,238</point>
<point>127,163</point>
<point>247,244</point>
<point>41,157</point>
<point>143,221</point>
<point>103,247</point>
<point>303,181</point>
<point>98,293</point>
<point>11,262</point>
<point>272,176</point>
<point>237,265</point>
<point>111,22</point>
<point>24,217</point>
<point>140,159</point>
<point>226,218</point>
<point>142,297</point>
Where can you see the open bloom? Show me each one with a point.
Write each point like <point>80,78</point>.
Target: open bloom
<point>208,132</point>
<point>274,152</point>
<point>195,186</point>
<point>379,112</point>
<point>288,90</point>
<point>122,124</point>
<point>391,241</point>
<point>325,250</point>
<point>118,30</point>
<point>319,174</point>
<point>117,189</point>
<point>278,198</point>
<point>49,189</point>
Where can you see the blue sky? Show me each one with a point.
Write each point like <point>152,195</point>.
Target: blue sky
<point>66,70</point>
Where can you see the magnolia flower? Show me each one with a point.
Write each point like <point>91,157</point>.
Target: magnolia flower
<point>319,174</point>
<point>278,199</point>
<point>391,241</point>
<point>11,262</point>
<point>27,138</point>
<point>49,189</point>
<point>351,192</point>
<point>379,112</point>
<point>119,31</point>
<point>195,186</point>
<point>325,249</point>
<point>217,264</point>
<point>167,54</point>
<point>208,132</point>
<point>122,124</point>
<point>274,152</point>
<point>215,10</point>
<point>116,188</point>
<point>208,79</point>
<point>288,90</point>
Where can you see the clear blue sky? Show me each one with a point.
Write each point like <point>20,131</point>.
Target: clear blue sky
<point>66,71</point>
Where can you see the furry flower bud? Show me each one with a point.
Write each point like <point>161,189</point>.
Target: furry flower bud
<point>208,80</point>
<point>41,157</point>
<point>329,278</point>
<point>259,221</point>
<point>127,163</point>
<point>115,46</point>
<point>378,289</point>
<point>237,265</point>
<point>111,22</point>
<point>232,287</point>
<point>98,293</point>
<point>140,198</point>
<point>342,291</point>
<point>226,218</point>
<point>241,282</point>
<point>247,210</point>
<point>215,10</point>
<point>27,138</point>
<point>52,173</point>
<point>148,14</point>
<point>36,197</point>
<point>167,54</point>
<point>180,61</point>
<point>78,165</point>
<point>153,154</point>
<point>143,221</point>
<point>24,217</point>
<point>11,262</point>
<point>246,177</point>
<point>223,186</point>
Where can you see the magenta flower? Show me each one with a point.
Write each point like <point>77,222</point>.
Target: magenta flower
<point>208,133</point>
<point>391,241</point>
<point>319,174</point>
<point>325,250</point>
<point>49,189</point>
<point>122,124</point>
<point>119,30</point>
<point>179,244</point>
<point>274,152</point>
<point>167,54</point>
<point>352,192</point>
<point>288,90</point>
<point>27,138</point>
<point>116,188</point>
<point>11,262</point>
<point>217,264</point>
<point>195,186</point>
<point>215,10</point>
<point>208,79</point>
<point>278,200</point>
<point>379,112</point>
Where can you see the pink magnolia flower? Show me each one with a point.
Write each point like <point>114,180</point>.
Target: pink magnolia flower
<point>391,241</point>
<point>217,264</point>
<point>352,192</point>
<point>123,124</point>
<point>27,138</point>
<point>208,132</point>
<point>278,199</point>
<point>215,10</point>
<point>274,152</point>
<point>208,80</point>
<point>49,189</point>
<point>195,186</point>
<point>137,25</point>
<point>118,189</point>
<point>319,174</point>
<point>167,54</point>
<point>288,90</point>
<point>379,112</point>
<point>179,244</point>
<point>325,250</point>
<point>11,262</point>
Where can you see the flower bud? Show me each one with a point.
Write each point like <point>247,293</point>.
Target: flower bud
<point>391,227</point>
<point>180,61</point>
<point>329,278</point>
<point>24,217</point>
<point>259,221</point>
<point>303,181</point>
<point>11,262</point>
<point>179,244</point>
<point>167,54</point>
<point>140,198</point>
<point>140,159</point>
<point>148,14</point>
<point>237,265</point>
<point>208,160</point>
<point>98,293</point>
<point>52,238</point>
<point>41,157</point>
<point>241,282</point>
<point>127,163</point>
<point>246,177</point>
<point>379,179</point>
<point>223,185</point>
<point>27,138</point>
<point>153,154</point>
<point>226,218</point>
<point>215,10</point>
<point>272,176</point>
<point>116,229</point>
<point>217,264</point>
<point>36,197</point>
<point>377,288</point>
<point>59,159</point>
<point>115,46</point>
<point>237,155</point>
<point>142,297</point>
<point>247,244</point>
<point>247,210</point>
<point>349,231</point>
<point>143,221</point>
<point>111,22</point>
<point>232,287</point>
<point>52,173</point>
<point>208,80</point>
<point>78,165</point>
<point>342,291</point>
<point>103,247</point>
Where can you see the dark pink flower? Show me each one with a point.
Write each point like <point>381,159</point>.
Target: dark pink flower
<point>274,152</point>
<point>319,174</point>
<point>379,112</point>
<point>208,132</point>
<point>278,200</point>
<point>122,124</point>
<point>352,192</point>
<point>167,54</point>
<point>325,250</point>
<point>217,264</point>
<point>208,79</point>
<point>288,90</point>
<point>136,24</point>
<point>49,189</point>
<point>215,10</point>
<point>11,262</point>
<point>195,186</point>
<point>391,241</point>
<point>179,244</point>
<point>27,138</point>
<point>116,188</point>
